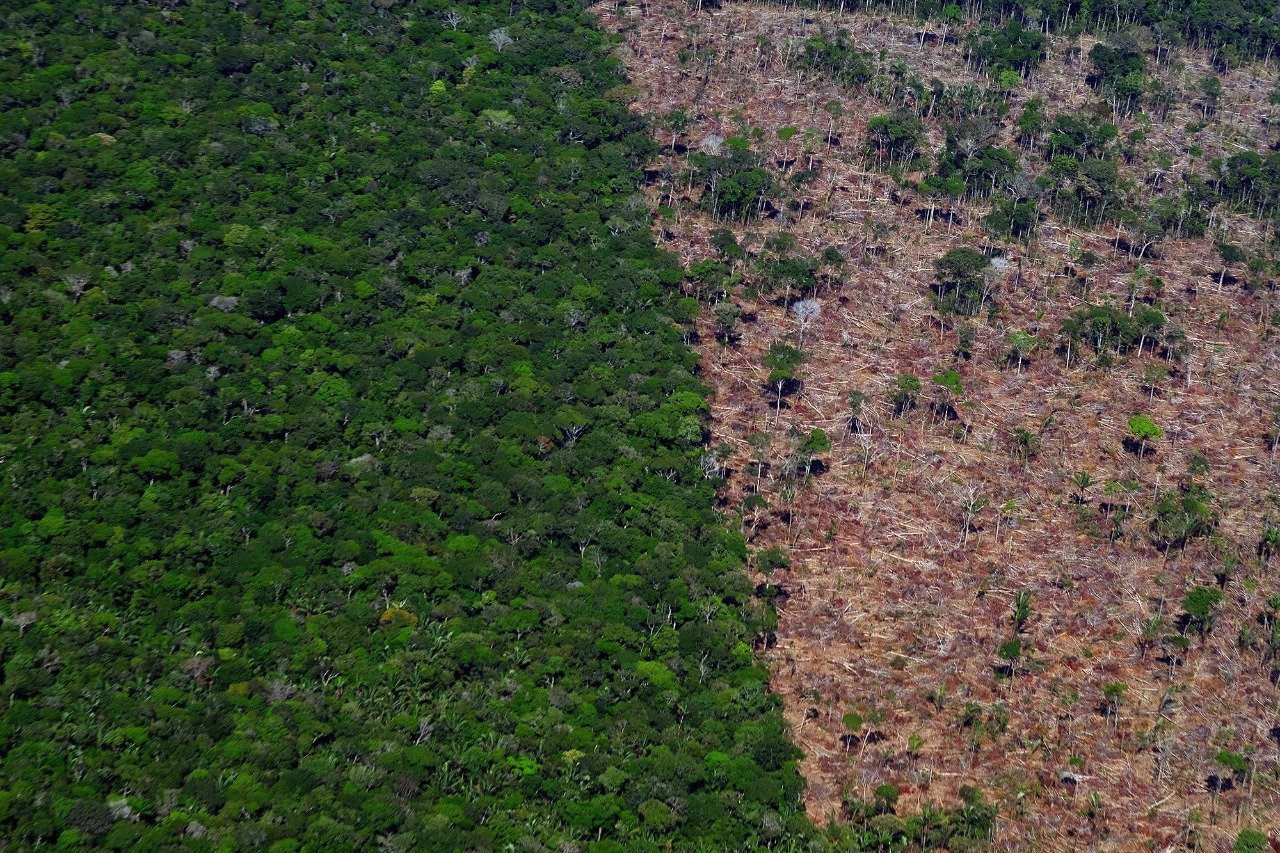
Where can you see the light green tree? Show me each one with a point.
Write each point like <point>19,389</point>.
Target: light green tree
<point>1143,430</point>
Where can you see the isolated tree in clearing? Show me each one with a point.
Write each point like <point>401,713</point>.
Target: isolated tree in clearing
<point>782,361</point>
<point>961,286</point>
<point>906,391</point>
<point>1143,430</point>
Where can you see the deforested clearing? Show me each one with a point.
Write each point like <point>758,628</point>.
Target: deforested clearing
<point>994,363</point>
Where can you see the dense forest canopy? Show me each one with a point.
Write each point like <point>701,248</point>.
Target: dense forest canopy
<point>356,489</point>
<point>351,457</point>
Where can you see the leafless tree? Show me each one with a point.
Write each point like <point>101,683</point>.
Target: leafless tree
<point>425,728</point>
<point>121,810</point>
<point>711,144</point>
<point>278,690</point>
<point>500,39</point>
<point>77,283</point>
<point>806,311</point>
<point>972,502</point>
<point>198,667</point>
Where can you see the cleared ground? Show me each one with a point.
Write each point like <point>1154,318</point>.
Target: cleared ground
<point>911,544</point>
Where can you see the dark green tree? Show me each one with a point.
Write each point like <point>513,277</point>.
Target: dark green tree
<point>962,285</point>
<point>904,394</point>
<point>783,362</point>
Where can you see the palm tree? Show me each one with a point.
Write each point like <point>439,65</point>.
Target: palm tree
<point>1082,480</point>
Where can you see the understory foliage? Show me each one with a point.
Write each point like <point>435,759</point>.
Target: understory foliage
<point>875,826</point>
<point>351,459</point>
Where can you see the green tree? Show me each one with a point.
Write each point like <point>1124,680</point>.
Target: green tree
<point>1269,543</point>
<point>1010,651</point>
<point>1143,430</point>
<point>905,393</point>
<point>894,141</point>
<point>157,463</point>
<point>1031,123</point>
<point>1112,695</point>
<point>962,285</point>
<point>1230,254</point>
<point>676,122</point>
<point>852,723</point>
<point>783,362</point>
<point>950,389</point>
<point>1021,610</point>
<point>1021,347</point>
<point>1082,481</point>
<point>1210,94</point>
<point>40,216</point>
<point>727,316</point>
<point>1181,514</point>
<point>1201,604</point>
<point>1252,841</point>
<point>1153,378</point>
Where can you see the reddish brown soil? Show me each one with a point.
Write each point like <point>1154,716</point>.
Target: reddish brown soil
<point>896,610</point>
